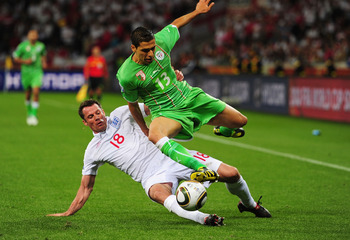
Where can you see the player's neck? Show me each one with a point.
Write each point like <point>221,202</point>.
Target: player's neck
<point>135,58</point>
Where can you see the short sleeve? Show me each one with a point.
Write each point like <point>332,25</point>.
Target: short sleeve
<point>129,93</point>
<point>91,167</point>
<point>167,37</point>
<point>18,52</point>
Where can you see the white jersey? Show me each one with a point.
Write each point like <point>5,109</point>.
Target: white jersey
<point>124,146</point>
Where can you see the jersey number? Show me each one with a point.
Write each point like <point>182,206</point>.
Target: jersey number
<point>163,81</point>
<point>117,139</point>
<point>201,156</point>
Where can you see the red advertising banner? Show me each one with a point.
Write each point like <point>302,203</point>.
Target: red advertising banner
<point>327,99</point>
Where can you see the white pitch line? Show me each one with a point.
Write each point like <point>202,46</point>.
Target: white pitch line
<point>272,152</point>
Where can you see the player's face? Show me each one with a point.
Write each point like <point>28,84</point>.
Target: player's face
<point>144,54</point>
<point>95,118</point>
<point>33,36</point>
<point>96,51</point>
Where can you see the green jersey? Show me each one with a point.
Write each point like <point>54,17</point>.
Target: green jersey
<point>155,83</point>
<point>26,50</point>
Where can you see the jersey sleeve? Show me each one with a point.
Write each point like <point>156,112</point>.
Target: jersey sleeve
<point>167,37</point>
<point>90,165</point>
<point>18,52</point>
<point>129,91</point>
<point>91,168</point>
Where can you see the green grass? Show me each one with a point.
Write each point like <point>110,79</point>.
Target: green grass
<point>40,172</point>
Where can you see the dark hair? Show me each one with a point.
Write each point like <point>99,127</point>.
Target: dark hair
<point>141,34</point>
<point>87,103</point>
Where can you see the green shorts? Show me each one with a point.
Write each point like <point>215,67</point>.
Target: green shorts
<point>32,79</point>
<point>197,110</point>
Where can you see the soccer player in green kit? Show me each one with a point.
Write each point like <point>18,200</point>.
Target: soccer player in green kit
<point>177,109</point>
<point>31,54</point>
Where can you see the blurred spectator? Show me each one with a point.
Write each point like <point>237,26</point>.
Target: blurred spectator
<point>330,68</point>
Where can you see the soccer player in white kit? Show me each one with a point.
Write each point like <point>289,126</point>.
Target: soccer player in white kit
<point>119,141</point>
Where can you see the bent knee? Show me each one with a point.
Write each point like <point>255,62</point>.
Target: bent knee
<point>241,120</point>
<point>160,192</point>
<point>244,120</point>
<point>228,173</point>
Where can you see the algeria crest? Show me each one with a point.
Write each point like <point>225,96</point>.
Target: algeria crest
<point>159,55</point>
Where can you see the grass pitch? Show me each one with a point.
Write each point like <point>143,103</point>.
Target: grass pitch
<point>304,179</point>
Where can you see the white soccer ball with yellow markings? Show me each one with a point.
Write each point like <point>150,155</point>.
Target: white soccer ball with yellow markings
<point>191,195</point>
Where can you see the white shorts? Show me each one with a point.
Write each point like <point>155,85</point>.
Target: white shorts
<point>173,172</point>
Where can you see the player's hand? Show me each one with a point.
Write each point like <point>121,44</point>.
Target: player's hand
<point>44,64</point>
<point>27,61</point>
<point>179,75</point>
<point>203,6</point>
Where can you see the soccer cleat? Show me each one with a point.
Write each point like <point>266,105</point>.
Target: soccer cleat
<point>214,220</point>
<point>228,132</point>
<point>259,210</point>
<point>29,121</point>
<point>35,121</point>
<point>32,121</point>
<point>204,174</point>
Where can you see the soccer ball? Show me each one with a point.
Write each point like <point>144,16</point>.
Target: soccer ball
<point>191,195</point>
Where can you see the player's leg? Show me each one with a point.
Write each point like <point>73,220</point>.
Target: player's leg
<point>92,87</point>
<point>161,193</point>
<point>35,84</point>
<point>236,185</point>
<point>28,94</point>
<point>99,93</point>
<point>25,80</point>
<point>229,123</point>
<point>28,104</point>
<point>35,102</point>
<point>160,130</point>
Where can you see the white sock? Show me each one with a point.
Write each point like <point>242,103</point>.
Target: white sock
<point>171,204</point>
<point>161,142</point>
<point>241,189</point>
<point>35,104</point>
<point>27,102</point>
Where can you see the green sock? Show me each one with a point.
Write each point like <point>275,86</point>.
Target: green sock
<point>179,154</point>
<point>29,107</point>
<point>227,132</point>
<point>34,108</point>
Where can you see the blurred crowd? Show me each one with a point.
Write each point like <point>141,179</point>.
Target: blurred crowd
<point>285,32</point>
<point>279,32</point>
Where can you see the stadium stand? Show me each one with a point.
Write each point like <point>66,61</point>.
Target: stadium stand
<point>282,34</point>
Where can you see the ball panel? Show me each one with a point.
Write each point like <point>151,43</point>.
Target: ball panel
<point>183,197</point>
<point>191,195</point>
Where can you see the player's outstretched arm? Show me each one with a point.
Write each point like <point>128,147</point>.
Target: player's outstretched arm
<point>85,189</point>
<point>137,115</point>
<point>203,6</point>
<point>23,61</point>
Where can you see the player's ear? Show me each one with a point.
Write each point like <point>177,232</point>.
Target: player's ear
<point>85,123</point>
<point>133,48</point>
